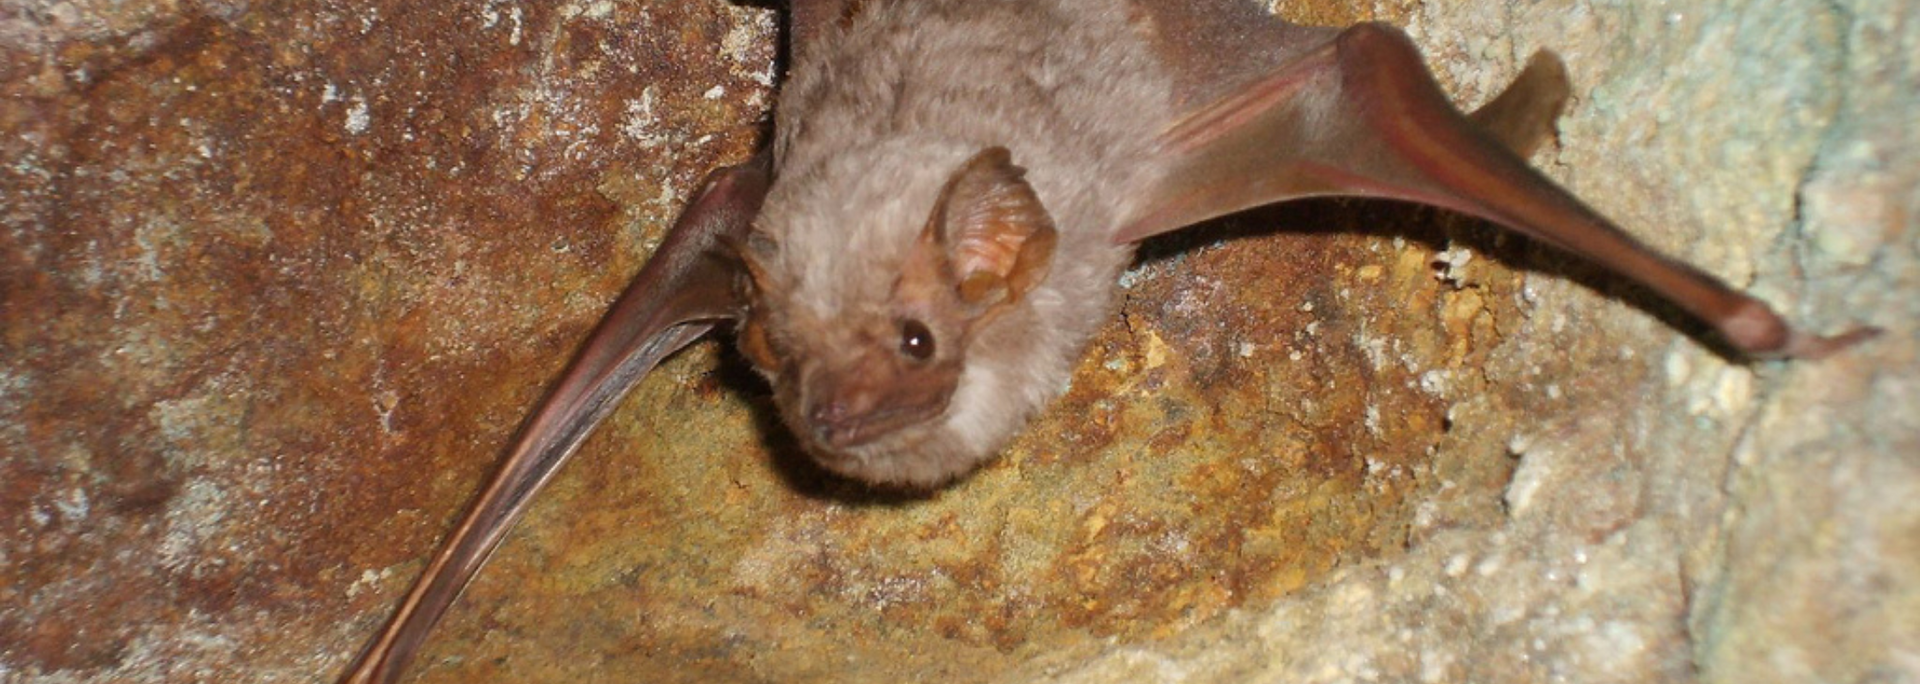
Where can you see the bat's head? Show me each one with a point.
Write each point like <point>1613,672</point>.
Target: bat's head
<point>867,340</point>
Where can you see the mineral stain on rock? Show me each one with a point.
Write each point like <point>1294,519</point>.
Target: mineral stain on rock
<point>266,276</point>
<point>278,281</point>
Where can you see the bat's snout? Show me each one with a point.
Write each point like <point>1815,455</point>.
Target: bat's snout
<point>860,405</point>
<point>852,419</point>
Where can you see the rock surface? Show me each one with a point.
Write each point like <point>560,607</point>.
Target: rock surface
<point>280,279</point>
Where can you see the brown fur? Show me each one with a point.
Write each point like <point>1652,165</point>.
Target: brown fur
<point>871,127</point>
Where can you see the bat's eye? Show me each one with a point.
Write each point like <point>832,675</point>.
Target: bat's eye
<point>916,341</point>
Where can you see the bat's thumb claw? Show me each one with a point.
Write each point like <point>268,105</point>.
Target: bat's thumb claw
<point>1761,334</point>
<point>1814,347</point>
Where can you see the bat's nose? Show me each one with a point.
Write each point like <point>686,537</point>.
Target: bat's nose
<point>856,407</point>
<point>829,423</point>
<point>855,418</point>
<point>840,421</point>
<point>829,412</point>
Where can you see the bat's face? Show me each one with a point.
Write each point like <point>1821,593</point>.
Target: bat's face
<point>859,385</point>
<point>869,357</point>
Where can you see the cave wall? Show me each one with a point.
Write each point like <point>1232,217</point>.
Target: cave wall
<point>1671,517</point>
<point>280,279</point>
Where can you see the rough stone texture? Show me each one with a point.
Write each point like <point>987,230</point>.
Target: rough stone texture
<point>1671,517</point>
<point>279,280</point>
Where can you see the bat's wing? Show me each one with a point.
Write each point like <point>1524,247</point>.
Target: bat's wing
<point>1356,113</point>
<point>680,294</point>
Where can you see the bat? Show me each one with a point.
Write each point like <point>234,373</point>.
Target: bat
<point>937,227</point>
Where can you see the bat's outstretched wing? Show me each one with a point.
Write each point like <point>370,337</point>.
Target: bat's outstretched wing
<point>681,293</point>
<point>1356,113</point>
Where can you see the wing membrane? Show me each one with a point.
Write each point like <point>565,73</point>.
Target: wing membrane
<point>683,291</point>
<point>1359,115</point>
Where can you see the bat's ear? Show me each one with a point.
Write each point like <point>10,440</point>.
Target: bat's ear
<point>745,253</point>
<point>752,331</point>
<point>990,232</point>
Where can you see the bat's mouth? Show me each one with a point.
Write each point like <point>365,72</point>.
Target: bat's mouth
<point>913,453</point>
<point>836,428</point>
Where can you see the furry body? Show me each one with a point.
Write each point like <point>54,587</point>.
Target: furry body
<point>871,125</point>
